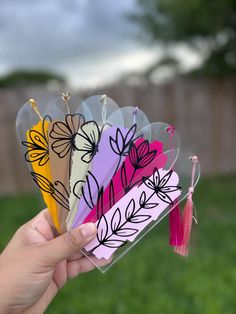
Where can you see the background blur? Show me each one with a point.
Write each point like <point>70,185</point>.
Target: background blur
<point>175,60</point>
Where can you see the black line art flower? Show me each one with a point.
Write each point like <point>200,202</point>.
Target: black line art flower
<point>160,187</point>
<point>38,145</point>
<point>121,144</point>
<point>141,156</point>
<point>64,134</point>
<point>57,190</point>
<point>89,137</point>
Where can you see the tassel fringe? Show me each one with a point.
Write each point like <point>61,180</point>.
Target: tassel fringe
<point>187,226</point>
<point>176,227</point>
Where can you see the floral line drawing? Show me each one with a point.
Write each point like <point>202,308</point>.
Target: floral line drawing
<point>57,190</point>
<point>91,192</point>
<point>64,134</point>
<point>132,215</point>
<point>140,157</point>
<point>38,145</point>
<point>121,144</point>
<point>119,229</point>
<point>90,136</point>
<point>158,185</point>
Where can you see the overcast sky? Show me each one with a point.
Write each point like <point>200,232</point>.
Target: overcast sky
<point>88,41</point>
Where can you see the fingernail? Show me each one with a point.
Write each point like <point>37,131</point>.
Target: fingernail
<point>88,230</point>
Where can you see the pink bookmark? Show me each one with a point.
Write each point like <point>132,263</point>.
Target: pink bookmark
<point>133,212</point>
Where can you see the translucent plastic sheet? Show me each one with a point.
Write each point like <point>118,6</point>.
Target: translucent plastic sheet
<point>136,213</point>
<point>104,164</point>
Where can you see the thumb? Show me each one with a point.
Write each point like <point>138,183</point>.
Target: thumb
<point>68,243</point>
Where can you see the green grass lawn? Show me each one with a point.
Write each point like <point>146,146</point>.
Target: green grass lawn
<point>151,279</point>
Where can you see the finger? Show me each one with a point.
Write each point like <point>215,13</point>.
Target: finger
<point>43,224</point>
<point>76,256</point>
<point>84,265</point>
<point>37,230</point>
<point>49,219</point>
<point>60,274</point>
<point>68,243</point>
<point>46,219</point>
<point>74,268</point>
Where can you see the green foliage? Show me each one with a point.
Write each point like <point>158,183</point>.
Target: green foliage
<point>209,26</point>
<point>22,78</point>
<point>151,279</point>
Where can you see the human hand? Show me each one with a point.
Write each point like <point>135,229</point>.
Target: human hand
<point>36,264</point>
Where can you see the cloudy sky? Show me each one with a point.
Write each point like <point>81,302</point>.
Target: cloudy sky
<point>88,41</point>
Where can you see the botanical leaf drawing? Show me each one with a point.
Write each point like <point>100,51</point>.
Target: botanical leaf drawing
<point>134,212</point>
<point>56,190</point>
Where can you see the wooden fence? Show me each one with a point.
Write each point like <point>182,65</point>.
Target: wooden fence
<point>203,111</point>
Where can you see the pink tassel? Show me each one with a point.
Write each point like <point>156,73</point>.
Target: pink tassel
<point>176,228</point>
<point>187,226</point>
<point>188,215</point>
<point>175,221</point>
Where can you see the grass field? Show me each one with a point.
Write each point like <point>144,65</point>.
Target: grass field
<point>151,279</point>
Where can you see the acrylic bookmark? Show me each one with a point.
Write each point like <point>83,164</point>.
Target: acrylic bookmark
<point>111,151</point>
<point>38,155</point>
<point>86,144</point>
<point>61,147</point>
<point>129,216</point>
<point>141,155</point>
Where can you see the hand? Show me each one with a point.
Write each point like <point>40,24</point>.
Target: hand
<point>35,264</point>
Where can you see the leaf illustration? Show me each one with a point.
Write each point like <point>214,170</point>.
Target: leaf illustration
<point>43,183</point>
<point>140,208</point>
<point>150,205</point>
<point>133,154</point>
<point>166,178</point>
<point>114,146</point>
<point>61,195</point>
<point>143,149</point>
<point>124,180</point>
<point>165,197</point>
<point>100,203</point>
<point>130,134</point>
<point>115,221</point>
<point>146,160</point>
<point>77,188</point>
<point>111,194</point>
<point>119,140</point>
<point>114,243</point>
<point>126,232</point>
<point>102,229</point>
<point>57,190</point>
<point>142,199</point>
<point>92,186</point>
<point>130,209</point>
<point>139,218</point>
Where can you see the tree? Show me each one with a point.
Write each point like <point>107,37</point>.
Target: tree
<point>29,78</point>
<point>207,26</point>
